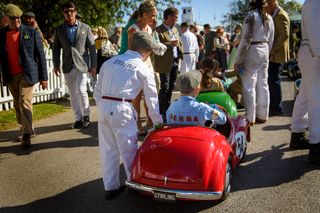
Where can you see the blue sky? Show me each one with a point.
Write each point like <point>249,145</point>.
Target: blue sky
<point>206,10</point>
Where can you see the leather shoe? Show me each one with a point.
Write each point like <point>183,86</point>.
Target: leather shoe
<point>260,121</point>
<point>26,141</point>
<point>110,194</point>
<point>314,153</point>
<point>85,121</point>
<point>76,125</point>
<point>299,141</point>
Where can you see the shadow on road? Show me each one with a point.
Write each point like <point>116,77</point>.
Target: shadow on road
<point>61,143</point>
<point>269,168</point>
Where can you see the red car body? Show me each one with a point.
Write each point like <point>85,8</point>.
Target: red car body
<point>190,162</point>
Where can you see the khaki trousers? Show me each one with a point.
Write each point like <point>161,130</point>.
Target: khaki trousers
<point>22,93</point>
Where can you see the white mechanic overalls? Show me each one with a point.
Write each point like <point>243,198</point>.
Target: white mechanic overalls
<point>122,77</point>
<point>190,51</point>
<point>306,112</point>
<point>253,58</point>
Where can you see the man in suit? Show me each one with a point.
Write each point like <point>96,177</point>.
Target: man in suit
<point>23,64</point>
<point>279,54</point>
<point>75,38</point>
<point>167,65</point>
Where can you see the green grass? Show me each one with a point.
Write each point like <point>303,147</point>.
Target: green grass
<point>40,111</point>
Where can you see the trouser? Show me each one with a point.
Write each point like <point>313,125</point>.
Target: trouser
<point>22,93</point>
<point>255,88</point>
<point>117,131</point>
<point>308,97</point>
<point>299,121</point>
<point>77,86</point>
<point>188,63</point>
<point>275,87</point>
<point>166,87</point>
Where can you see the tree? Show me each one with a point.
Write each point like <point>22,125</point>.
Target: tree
<point>94,12</point>
<point>239,9</point>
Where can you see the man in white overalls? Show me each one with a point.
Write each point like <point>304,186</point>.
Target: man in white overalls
<point>121,79</point>
<point>306,111</point>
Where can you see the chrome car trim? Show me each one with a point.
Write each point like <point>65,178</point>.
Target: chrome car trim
<point>180,194</point>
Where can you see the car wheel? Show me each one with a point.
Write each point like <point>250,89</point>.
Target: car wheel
<point>244,155</point>
<point>132,191</point>
<point>227,181</point>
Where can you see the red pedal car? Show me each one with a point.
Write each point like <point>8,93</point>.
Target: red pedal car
<point>190,162</point>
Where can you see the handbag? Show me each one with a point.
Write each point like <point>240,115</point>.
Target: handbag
<point>107,49</point>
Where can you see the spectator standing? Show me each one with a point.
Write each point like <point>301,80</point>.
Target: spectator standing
<point>252,61</point>
<point>279,54</point>
<point>120,81</point>
<point>124,35</point>
<point>208,40</point>
<point>4,21</point>
<point>190,49</point>
<point>75,38</point>
<point>167,65</point>
<point>23,64</point>
<point>147,15</point>
<point>115,38</point>
<point>294,41</point>
<point>30,20</point>
<point>221,48</point>
<point>194,29</point>
<point>234,43</point>
<point>306,111</point>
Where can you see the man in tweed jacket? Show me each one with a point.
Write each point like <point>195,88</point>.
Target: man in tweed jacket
<point>23,64</point>
<point>75,38</point>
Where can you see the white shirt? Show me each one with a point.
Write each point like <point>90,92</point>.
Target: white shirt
<point>190,43</point>
<point>124,76</point>
<point>254,30</point>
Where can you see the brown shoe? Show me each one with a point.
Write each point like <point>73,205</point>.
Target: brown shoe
<point>26,141</point>
<point>260,121</point>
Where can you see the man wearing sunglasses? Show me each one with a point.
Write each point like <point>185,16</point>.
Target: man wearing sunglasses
<point>77,42</point>
<point>23,64</point>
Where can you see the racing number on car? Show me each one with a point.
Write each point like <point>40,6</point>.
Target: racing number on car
<point>241,142</point>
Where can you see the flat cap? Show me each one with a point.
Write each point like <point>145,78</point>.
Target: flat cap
<point>30,14</point>
<point>188,81</point>
<point>143,41</point>
<point>12,10</point>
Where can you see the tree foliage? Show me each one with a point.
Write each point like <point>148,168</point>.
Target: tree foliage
<point>94,12</point>
<point>239,9</point>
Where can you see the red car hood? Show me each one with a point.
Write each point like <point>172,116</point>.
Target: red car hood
<point>177,158</point>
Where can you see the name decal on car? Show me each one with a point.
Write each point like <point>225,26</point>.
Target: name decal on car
<point>180,118</point>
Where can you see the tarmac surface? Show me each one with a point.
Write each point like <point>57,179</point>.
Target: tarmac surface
<point>61,172</point>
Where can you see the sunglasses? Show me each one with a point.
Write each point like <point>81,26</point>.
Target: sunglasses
<point>69,11</point>
<point>14,17</point>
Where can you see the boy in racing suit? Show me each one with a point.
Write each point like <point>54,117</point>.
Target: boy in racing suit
<point>121,79</point>
<point>187,110</point>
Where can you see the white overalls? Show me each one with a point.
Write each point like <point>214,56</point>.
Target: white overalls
<point>306,111</point>
<point>122,77</point>
<point>253,58</point>
<point>190,51</point>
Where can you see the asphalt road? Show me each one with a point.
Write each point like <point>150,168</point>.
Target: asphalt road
<point>61,173</point>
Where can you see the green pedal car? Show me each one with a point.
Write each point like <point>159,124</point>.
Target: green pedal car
<point>221,98</point>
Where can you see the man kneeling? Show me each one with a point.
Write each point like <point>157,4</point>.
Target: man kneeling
<point>187,110</point>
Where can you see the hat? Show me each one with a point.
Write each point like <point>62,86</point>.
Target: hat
<point>12,10</point>
<point>188,81</point>
<point>30,14</point>
<point>143,41</point>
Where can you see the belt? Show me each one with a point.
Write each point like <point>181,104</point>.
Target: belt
<point>117,99</point>
<point>257,42</point>
<point>186,53</point>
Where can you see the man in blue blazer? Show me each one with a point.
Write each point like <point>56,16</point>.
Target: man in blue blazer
<point>76,39</point>
<point>23,64</point>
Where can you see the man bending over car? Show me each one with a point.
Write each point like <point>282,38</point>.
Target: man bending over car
<point>187,110</point>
